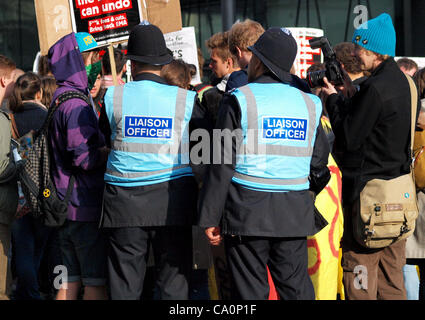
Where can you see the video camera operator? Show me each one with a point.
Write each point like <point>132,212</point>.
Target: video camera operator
<point>373,121</point>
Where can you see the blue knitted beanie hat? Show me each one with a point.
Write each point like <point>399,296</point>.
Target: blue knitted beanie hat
<point>85,41</point>
<point>377,35</point>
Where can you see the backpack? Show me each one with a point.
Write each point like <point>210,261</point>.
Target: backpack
<point>419,156</point>
<point>35,177</point>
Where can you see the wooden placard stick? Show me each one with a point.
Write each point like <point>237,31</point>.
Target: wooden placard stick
<point>112,62</point>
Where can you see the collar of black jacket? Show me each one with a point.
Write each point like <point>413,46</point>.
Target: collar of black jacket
<point>383,65</point>
<point>149,76</point>
<point>267,78</point>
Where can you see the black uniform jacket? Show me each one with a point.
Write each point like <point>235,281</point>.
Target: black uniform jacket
<point>374,126</point>
<point>241,211</point>
<point>163,204</point>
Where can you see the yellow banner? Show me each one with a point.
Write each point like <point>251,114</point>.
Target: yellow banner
<point>324,256</point>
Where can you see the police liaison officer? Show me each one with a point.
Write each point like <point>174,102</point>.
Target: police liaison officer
<point>261,201</point>
<point>150,193</point>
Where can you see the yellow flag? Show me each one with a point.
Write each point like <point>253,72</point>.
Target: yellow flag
<point>324,256</point>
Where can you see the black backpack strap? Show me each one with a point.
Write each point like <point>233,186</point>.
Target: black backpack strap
<point>71,95</point>
<point>61,99</point>
<point>54,106</point>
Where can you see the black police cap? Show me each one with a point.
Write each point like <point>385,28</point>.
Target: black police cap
<point>146,44</point>
<point>277,49</point>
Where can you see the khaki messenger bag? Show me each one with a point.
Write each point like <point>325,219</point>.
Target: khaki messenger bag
<point>388,208</point>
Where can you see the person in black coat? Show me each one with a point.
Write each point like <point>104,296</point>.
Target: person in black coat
<point>263,228</point>
<point>374,125</point>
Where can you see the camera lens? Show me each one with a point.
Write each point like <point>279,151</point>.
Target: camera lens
<point>315,79</point>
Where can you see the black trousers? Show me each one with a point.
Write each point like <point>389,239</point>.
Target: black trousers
<point>287,259</point>
<point>128,251</point>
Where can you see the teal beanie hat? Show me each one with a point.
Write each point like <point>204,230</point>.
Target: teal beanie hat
<point>377,35</point>
<point>85,41</point>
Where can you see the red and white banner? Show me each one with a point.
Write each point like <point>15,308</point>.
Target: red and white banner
<point>108,21</point>
<point>305,55</point>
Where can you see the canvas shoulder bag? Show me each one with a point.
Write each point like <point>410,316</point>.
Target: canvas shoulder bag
<point>419,155</point>
<point>388,208</point>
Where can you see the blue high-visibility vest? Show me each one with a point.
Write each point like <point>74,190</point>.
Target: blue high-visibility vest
<point>279,125</point>
<point>150,133</point>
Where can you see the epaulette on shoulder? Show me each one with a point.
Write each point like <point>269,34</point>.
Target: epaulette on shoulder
<point>230,92</point>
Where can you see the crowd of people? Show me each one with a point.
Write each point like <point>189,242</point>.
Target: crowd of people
<point>162,169</point>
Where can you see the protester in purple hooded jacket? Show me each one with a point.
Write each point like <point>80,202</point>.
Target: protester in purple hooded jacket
<point>78,148</point>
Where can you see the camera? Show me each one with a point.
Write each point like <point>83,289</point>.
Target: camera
<point>333,71</point>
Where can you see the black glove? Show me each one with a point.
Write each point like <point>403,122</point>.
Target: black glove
<point>319,180</point>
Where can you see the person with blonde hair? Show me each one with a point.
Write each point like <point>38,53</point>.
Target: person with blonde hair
<point>241,36</point>
<point>223,64</point>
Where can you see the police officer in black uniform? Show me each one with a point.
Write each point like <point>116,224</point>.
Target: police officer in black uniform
<point>150,194</point>
<point>261,201</point>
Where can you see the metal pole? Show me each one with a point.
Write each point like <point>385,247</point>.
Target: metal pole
<point>21,53</point>
<point>308,14</point>
<point>318,14</point>
<point>199,24</point>
<point>112,63</point>
<point>227,13</point>
<point>189,11</point>
<point>298,13</point>
<point>407,26</point>
<point>209,18</point>
<point>245,9</point>
<point>347,21</point>
<point>369,12</point>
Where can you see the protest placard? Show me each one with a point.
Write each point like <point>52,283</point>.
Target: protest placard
<point>305,55</point>
<point>183,45</point>
<point>166,14</point>
<point>53,22</point>
<point>108,21</point>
